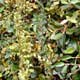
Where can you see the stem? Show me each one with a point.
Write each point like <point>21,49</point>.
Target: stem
<point>72,64</point>
<point>64,30</point>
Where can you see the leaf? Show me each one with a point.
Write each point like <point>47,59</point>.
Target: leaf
<point>8,53</point>
<point>14,67</point>
<point>10,29</point>
<point>56,24</point>
<point>69,50</point>
<point>71,19</point>
<point>61,41</point>
<point>9,26</point>
<point>41,77</point>
<point>75,1</point>
<point>64,2</point>
<point>73,44</point>
<point>1,9</point>
<point>64,69</point>
<point>76,76</point>
<point>0,75</point>
<point>70,31</point>
<point>59,64</point>
<point>66,57</point>
<point>74,68</point>
<point>33,75</point>
<point>77,5</point>
<point>55,72</point>
<point>56,36</point>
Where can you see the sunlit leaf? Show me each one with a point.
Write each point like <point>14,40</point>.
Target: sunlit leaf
<point>59,64</point>
<point>0,75</point>
<point>64,1</point>
<point>75,1</point>
<point>1,9</point>
<point>69,50</point>
<point>56,36</point>
<point>71,19</point>
<point>66,57</point>
<point>64,69</point>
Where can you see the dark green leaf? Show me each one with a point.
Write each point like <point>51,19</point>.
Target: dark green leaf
<point>66,57</point>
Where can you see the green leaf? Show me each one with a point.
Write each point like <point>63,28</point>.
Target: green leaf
<point>71,19</point>
<point>56,24</point>
<point>33,75</point>
<point>0,75</point>
<point>74,68</point>
<point>59,64</point>
<point>10,29</point>
<point>75,1</point>
<point>1,9</point>
<point>70,31</point>
<point>55,72</point>
<point>64,69</point>
<point>77,5</point>
<point>76,76</point>
<point>61,41</point>
<point>8,25</point>
<point>8,53</point>
<point>66,57</point>
<point>41,77</point>
<point>56,36</point>
<point>64,2</point>
<point>14,67</point>
<point>69,50</point>
<point>73,44</point>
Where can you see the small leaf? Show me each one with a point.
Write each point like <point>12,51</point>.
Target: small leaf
<point>41,77</point>
<point>75,1</point>
<point>64,69</point>
<point>73,44</point>
<point>0,75</point>
<point>76,76</point>
<point>64,2</point>
<point>14,67</point>
<point>61,42</point>
<point>77,5</point>
<point>1,9</point>
<point>55,72</point>
<point>74,68</point>
<point>69,50</point>
<point>10,29</point>
<point>70,31</point>
<point>56,24</point>
<point>8,53</point>
<point>56,36</point>
<point>66,57</point>
<point>59,64</point>
<point>71,19</point>
<point>33,75</point>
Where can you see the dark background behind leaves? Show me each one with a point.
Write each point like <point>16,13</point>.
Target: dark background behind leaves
<point>39,39</point>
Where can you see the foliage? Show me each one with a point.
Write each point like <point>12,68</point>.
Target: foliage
<point>39,39</point>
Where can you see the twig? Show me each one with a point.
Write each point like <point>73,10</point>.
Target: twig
<point>72,64</point>
<point>64,30</point>
<point>63,22</point>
